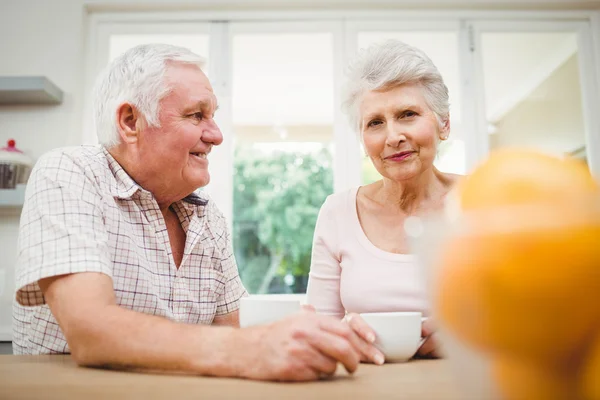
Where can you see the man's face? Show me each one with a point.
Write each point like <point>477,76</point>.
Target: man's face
<point>177,151</point>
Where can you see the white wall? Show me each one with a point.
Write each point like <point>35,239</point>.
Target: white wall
<point>38,37</point>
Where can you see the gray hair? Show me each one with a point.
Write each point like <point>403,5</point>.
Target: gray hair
<point>390,64</point>
<point>135,77</point>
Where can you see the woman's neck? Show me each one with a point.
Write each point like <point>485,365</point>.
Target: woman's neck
<point>408,195</point>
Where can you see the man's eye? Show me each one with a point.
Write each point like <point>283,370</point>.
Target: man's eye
<point>198,115</point>
<point>408,114</point>
<point>373,123</point>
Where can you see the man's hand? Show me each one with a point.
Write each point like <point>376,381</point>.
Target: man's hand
<point>303,347</point>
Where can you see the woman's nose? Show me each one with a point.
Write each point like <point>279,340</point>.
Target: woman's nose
<point>395,135</point>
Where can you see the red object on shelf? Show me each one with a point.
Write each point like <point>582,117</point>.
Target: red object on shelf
<point>15,166</point>
<point>11,146</point>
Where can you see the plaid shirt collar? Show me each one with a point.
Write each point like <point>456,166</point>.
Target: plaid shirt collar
<point>124,187</point>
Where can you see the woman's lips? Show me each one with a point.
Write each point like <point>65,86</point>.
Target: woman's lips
<point>400,156</point>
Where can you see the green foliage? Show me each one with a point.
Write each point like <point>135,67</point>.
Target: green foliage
<point>277,197</point>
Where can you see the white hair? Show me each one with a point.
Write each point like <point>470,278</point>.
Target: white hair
<point>388,65</point>
<point>135,77</point>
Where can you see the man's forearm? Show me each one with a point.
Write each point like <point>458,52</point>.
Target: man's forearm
<point>120,338</point>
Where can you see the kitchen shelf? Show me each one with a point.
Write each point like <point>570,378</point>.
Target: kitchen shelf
<point>29,90</point>
<point>12,197</point>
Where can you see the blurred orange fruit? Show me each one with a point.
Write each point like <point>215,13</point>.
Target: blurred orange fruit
<point>512,176</point>
<point>521,380</point>
<point>591,371</point>
<point>523,278</point>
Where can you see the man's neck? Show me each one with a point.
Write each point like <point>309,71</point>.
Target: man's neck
<point>163,195</point>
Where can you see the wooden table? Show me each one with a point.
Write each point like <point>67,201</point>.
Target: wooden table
<point>58,377</point>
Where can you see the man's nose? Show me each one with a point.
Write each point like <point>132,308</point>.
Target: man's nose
<point>212,133</point>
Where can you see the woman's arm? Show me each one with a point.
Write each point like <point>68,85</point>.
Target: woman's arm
<point>323,291</point>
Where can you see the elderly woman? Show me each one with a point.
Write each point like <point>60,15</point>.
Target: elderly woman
<point>397,101</point>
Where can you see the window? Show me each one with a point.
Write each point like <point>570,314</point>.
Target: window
<point>535,87</point>
<point>283,128</point>
<point>287,144</point>
<point>533,91</point>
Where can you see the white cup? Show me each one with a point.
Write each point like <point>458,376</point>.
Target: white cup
<point>264,309</point>
<point>398,334</point>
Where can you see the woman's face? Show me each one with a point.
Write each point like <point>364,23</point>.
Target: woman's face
<point>400,132</point>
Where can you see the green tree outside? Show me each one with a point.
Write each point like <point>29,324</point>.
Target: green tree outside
<point>277,198</point>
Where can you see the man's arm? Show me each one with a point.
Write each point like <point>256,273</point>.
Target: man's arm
<point>101,333</point>
<point>231,319</point>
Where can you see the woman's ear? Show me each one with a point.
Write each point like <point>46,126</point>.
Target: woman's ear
<point>127,123</point>
<point>445,129</point>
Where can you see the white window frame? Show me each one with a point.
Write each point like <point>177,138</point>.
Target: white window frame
<point>220,187</point>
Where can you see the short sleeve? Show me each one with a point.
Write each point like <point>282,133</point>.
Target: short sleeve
<point>229,300</point>
<point>61,229</point>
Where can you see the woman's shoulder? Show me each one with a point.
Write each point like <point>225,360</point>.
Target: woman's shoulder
<point>342,197</point>
<point>451,180</point>
<point>340,202</point>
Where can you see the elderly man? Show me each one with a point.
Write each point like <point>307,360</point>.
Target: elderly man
<point>123,264</point>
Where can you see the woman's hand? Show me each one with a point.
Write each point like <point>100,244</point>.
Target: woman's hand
<point>430,348</point>
<point>364,331</point>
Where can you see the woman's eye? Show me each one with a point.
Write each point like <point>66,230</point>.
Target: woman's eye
<point>373,123</point>
<point>408,114</point>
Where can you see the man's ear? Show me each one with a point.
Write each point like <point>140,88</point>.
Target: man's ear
<point>127,123</point>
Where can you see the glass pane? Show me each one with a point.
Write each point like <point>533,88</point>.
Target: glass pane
<point>198,43</point>
<point>442,48</point>
<point>283,123</point>
<point>532,91</point>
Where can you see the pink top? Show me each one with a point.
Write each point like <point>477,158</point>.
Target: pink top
<point>349,274</point>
